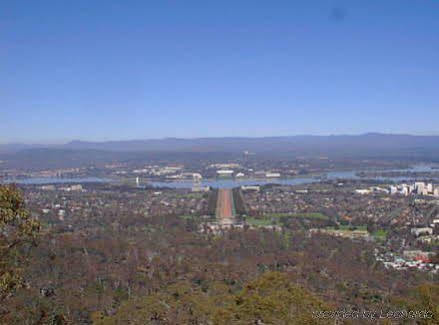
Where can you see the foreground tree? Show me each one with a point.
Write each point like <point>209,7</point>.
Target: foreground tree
<point>18,232</point>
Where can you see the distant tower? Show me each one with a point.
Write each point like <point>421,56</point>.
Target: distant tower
<point>245,155</point>
<point>137,181</point>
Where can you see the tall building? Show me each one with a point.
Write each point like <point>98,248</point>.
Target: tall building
<point>420,187</point>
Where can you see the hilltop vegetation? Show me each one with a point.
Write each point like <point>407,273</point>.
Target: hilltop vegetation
<point>161,270</point>
<point>271,298</point>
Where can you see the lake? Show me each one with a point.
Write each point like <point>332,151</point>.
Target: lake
<point>229,183</point>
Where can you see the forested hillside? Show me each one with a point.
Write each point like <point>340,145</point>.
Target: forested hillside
<point>162,270</point>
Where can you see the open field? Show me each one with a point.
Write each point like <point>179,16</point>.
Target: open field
<point>274,218</point>
<point>311,215</point>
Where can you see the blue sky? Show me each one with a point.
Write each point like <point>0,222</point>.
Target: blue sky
<point>102,70</point>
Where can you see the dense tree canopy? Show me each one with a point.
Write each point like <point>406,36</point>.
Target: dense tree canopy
<point>18,231</point>
<point>271,298</point>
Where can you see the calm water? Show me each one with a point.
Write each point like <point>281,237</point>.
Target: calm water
<point>230,183</point>
<point>227,183</point>
<point>54,180</point>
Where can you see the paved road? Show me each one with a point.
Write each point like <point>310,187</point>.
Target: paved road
<point>224,207</point>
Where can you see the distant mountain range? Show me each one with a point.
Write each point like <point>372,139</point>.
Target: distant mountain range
<point>299,144</point>
<point>358,147</point>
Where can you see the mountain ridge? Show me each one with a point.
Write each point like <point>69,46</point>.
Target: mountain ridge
<point>370,141</point>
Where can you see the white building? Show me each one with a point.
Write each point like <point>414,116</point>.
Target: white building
<point>48,187</point>
<point>77,187</point>
<point>224,172</point>
<point>197,176</point>
<point>422,231</point>
<point>272,175</point>
<point>61,214</point>
<point>250,188</point>
<point>225,165</point>
<point>420,186</point>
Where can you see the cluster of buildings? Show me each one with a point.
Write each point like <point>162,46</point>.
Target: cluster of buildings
<point>219,227</point>
<point>426,235</point>
<point>268,174</point>
<point>155,170</point>
<point>225,173</point>
<point>63,172</point>
<point>410,259</point>
<point>76,206</point>
<point>18,174</point>
<point>256,188</point>
<point>418,188</point>
<point>170,170</point>
<point>257,174</point>
<point>331,200</point>
<point>225,166</point>
<point>72,188</point>
<point>173,171</point>
<point>167,172</point>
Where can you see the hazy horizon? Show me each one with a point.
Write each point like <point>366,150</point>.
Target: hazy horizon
<point>67,141</point>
